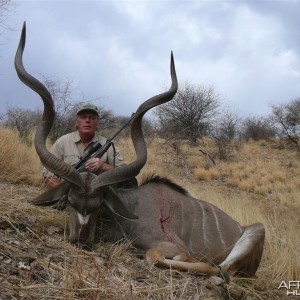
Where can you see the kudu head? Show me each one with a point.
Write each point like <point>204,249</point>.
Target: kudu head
<point>86,189</point>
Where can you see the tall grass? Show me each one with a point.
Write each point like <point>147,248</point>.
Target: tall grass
<point>258,168</point>
<point>18,161</point>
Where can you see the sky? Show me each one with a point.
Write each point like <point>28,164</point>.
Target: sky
<point>118,52</point>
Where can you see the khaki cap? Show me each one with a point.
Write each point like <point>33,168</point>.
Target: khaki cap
<point>88,107</point>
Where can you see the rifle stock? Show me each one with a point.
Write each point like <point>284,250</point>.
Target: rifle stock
<point>99,153</point>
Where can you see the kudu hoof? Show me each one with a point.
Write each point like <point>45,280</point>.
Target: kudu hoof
<point>83,245</point>
<point>224,275</point>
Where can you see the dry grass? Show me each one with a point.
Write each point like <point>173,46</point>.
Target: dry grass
<point>18,162</point>
<point>36,236</point>
<point>257,167</point>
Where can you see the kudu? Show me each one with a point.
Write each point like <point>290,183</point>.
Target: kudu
<point>173,229</point>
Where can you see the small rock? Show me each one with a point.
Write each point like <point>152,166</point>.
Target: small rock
<point>99,261</point>
<point>216,280</point>
<point>7,261</point>
<point>53,229</point>
<point>22,266</point>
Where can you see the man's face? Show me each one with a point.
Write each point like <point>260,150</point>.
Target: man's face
<point>86,123</point>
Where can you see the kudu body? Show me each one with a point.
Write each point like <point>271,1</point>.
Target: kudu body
<point>175,229</point>
<point>162,219</point>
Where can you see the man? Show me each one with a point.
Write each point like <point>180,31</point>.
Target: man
<point>72,146</point>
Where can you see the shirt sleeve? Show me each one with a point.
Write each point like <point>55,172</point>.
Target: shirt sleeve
<point>115,157</point>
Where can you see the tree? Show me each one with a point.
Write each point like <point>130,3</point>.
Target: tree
<point>287,119</point>
<point>66,108</point>
<point>6,6</point>
<point>225,130</point>
<point>24,120</point>
<point>190,114</point>
<point>108,122</point>
<point>257,128</point>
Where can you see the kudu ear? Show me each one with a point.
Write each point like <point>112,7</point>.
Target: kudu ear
<point>114,203</point>
<point>52,196</point>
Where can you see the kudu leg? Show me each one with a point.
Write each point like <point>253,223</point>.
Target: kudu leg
<point>167,254</point>
<point>246,254</point>
<point>82,228</point>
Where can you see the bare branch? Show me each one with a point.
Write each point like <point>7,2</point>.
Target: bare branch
<point>190,114</point>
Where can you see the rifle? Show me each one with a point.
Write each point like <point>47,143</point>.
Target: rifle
<point>97,150</point>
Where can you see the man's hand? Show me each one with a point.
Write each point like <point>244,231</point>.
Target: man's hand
<point>96,164</point>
